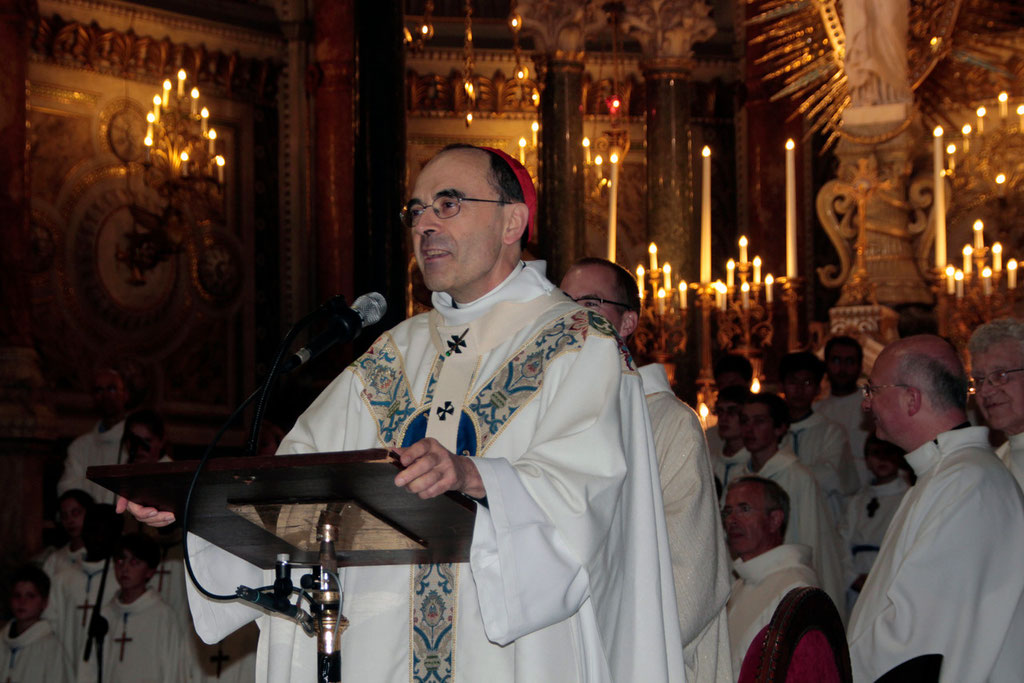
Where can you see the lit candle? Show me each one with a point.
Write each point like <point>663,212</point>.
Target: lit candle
<point>666,271</point>
<point>156,108</point>
<point>705,215</point>
<point>534,127</point>
<point>1004,106</point>
<point>1011,274</point>
<point>997,257</point>
<point>950,279</point>
<point>653,251</point>
<point>743,248</point>
<point>730,273</point>
<point>703,412</point>
<point>986,280</point>
<point>951,161</point>
<point>1020,117</point>
<point>755,386</point>
<point>586,149</point>
<point>959,277</point>
<point>213,140</point>
<point>167,92</point>
<point>184,164</point>
<point>979,235</point>
<point>150,120</point>
<point>597,162</point>
<point>660,303</point>
<point>757,270</point>
<point>966,130</point>
<point>724,293</point>
<point>682,295</point>
<point>205,115</point>
<point>640,281</point>
<point>967,259</point>
<point>220,169</point>
<point>522,151</point>
<point>745,294</point>
<point>940,198</point>
<point>181,82</point>
<point>768,282</point>
<point>613,204</point>
<point>981,120</point>
<point>790,209</point>
<point>195,101</point>
<point>148,142</point>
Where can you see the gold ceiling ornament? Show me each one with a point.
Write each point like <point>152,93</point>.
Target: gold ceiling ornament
<point>954,47</point>
<point>423,32</point>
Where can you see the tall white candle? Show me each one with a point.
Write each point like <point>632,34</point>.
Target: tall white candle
<point>959,277</point>
<point>660,303</point>
<point>1020,117</point>
<point>939,209</point>
<point>705,216</point>
<point>986,280</point>
<point>1004,106</point>
<point>181,82</point>
<point>966,130</point>
<point>997,257</point>
<point>968,251</point>
<point>950,279</point>
<point>213,140</point>
<point>1011,274</point>
<point>653,251</point>
<point>640,281</point>
<point>743,248</point>
<point>757,270</point>
<point>613,205</point>
<point>682,295</point>
<point>768,282</point>
<point>979,235</point>
<point>666,271</point>
<point>981,119</point>
<point>730,273</point>
<point>167,93</point>
<point>790,209</point>
<point>156,108</point>
<point>522,151</point>
<point>745,293</point>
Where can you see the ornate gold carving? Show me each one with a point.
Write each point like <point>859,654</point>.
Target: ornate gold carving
<point>559,26</point>
<point>497,95</point>
<point>127,55</point>
<point>58,93</point>
<point>668,28</point>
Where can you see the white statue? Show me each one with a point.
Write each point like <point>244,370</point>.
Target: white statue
<point>876,51</point>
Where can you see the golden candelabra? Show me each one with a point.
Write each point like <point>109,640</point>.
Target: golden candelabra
<point>661,330</point>
<point>744,311</point>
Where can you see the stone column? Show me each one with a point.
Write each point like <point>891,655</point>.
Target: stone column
<point>667,30</point>
<point>333,84</point>
<point>559,31</point>
<point>26,417</point>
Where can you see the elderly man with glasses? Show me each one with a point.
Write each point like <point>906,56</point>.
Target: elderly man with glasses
<point>997,382</point>
<point>948,577</point>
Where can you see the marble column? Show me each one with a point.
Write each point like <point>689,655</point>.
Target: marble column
<point>561,170</point>
<point>334,111</point>
<point>26,416</point>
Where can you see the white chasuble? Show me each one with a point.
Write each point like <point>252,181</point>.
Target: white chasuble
<point>569,576</point>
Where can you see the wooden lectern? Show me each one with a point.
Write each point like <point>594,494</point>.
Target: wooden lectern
<point>258,507</point>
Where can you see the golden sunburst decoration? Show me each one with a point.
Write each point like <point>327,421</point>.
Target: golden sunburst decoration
<point>959,52</point>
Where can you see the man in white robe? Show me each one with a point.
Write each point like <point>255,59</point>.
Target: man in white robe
<point>731,458</point>
<point>569,576</point>
<point>730,370</point>
<point>997,382</point>
<point>947,579</point>
<point>29,649</point>
<point>700,564</point>
<point>101,445</point>
<point>844,360</point>
<point>819,443</point>
<point>755,515</point>
<point>810,523</point>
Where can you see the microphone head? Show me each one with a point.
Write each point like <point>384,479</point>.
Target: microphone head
<point>370,307</point>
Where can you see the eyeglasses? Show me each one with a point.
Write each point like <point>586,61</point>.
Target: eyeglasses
<point>594,302</point>
<point>993,379</point>
<point>868,390</point>
<point>444,206</point>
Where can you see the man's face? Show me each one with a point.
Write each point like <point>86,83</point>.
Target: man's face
<point>72,514</point>
<point>749,528</point>
<point>728,414</point>
<point>843,367</point>
<point>885,403</point>
<point>801,387</point>
<point>143,444</point>
<point>461,255</point>
<point>1003,406</point>
<point>131,572</point>
<point>109,394</point>
<point>27,604</point>
<point>599,282</point>
<point>759,432</point>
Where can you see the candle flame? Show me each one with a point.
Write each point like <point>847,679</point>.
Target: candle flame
<point>1000,179</point>
<point>959,275</point>
<point>981,112</point>
<point>586,142</point>
<point>978,225</point>
<point>522,142</point>
<point>950,148</point>
<point>997,248</point>
<point>790,144</point>
<point>220,160</point>
<point>986,272</point>
<point>755,386</point>
<point>757,261</point>
<point>745,287</point>
<point>1011,264</point>
<point>937,132</point>
<point>966,130</point>
<point>1003,97</point>
<point>653,248</point>
<point>769,280</point>
<point>706,152</point>
<point>181,74</point>
<point>194,93</point>
<point>950,271</point>
<point>184,156</point>
<point>534,126</point>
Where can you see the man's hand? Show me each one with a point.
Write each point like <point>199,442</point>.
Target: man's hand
<point>431,469</point>
<point>150,516</point>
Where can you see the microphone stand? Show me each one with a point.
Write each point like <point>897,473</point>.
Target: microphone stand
<point>326,608</point>
<point>98,625</point>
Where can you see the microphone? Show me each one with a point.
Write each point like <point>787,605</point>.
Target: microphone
<point>346,324</point>
<point>270,604</point>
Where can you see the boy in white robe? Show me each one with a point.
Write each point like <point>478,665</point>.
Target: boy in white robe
<point>75,590</point>
<point>731,458</point>
<point>569,575</point>
<point>844,360</point>
<point>71,506</point>
<point>948,577</point>
<point>144,643</point>
<point>755,515</point>
<point>29,650</point>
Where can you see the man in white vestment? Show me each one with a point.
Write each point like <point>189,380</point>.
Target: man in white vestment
<point>764,423</point>
<point>731,458</point>
<point>844,360</point>
<point>700,563</point>
<point>817,441</point>
<point>569,577</point>
<point>997,382</point>
<point>948,577</point>
<point>101,445</point>
<point>755,515</point>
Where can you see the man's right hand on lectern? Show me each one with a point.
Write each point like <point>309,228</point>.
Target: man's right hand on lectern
<point>150,516</point>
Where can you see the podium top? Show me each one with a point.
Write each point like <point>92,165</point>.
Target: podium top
<point>258,507</point>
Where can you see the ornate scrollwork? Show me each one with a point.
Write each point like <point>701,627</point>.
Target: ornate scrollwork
<point>835,205</point>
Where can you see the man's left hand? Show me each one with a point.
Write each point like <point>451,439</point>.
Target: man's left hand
<point>431,469</point>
